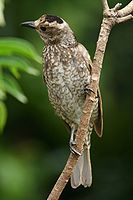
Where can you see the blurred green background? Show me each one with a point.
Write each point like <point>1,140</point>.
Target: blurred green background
<point>34,146</point>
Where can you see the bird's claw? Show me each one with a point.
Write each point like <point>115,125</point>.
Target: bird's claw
<point>72,142</point>
<point>88,90</point>
<point>72,148</point>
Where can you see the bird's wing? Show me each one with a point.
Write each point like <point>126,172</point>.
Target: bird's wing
<point>83,51</point>
<point>98,123</point>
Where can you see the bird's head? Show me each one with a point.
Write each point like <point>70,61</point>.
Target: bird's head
<point>51,28</point>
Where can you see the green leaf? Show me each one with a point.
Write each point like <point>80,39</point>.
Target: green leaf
<point>12,87</point>
<point>2,90</point>
<point>10,46</point>
<point>2,94</point>
<point>14,64</point>
<point>15,72</point>
<point>3,116</point>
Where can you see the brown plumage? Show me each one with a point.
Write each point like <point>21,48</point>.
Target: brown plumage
<point>67,72</point>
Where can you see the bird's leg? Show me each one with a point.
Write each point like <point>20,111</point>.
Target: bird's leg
<point>72,138</point>
<point>72,141</point>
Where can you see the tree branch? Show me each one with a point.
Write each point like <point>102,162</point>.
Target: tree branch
<point>126,10</point>
<point>110,18</point>
<point>124,19</point>
<point>105,5</point>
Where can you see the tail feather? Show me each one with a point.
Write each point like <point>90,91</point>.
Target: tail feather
<point>82,174</point>
<point>77,173</point>
<point>86,172</point>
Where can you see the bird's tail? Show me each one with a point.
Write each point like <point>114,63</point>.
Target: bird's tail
<point>82,173</point>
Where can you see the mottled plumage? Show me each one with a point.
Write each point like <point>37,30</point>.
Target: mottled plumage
<point>67,72</point>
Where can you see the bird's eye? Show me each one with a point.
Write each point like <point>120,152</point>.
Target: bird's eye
<point>43,28</point>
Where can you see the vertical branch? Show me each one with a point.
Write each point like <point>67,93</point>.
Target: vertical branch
<point>106,27</point>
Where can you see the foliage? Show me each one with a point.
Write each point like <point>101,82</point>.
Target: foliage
<point>15,57</point>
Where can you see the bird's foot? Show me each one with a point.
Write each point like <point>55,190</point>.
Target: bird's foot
<point>72,148</point>
<point>72,142</point>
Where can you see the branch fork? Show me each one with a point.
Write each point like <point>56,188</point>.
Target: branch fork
<point>111,17</point>
<point>116,14</point>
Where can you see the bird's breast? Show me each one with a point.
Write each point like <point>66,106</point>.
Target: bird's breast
<point>65,77</point>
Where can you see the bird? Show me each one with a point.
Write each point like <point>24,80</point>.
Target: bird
<point>67,71</point>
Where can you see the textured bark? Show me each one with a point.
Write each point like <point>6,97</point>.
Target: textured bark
<point>110,18</point>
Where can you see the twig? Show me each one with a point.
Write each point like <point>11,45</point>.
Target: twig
<point>126,10</point>
<point>110,18</point>
<point>105,5</point>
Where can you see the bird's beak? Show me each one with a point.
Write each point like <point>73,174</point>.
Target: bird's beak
<point>29,24</point>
